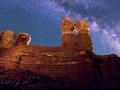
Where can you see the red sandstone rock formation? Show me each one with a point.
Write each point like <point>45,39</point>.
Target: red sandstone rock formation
<point>83,36</point>
<point>6,39</point>
<point>73,60</point>
<point>9,40</point>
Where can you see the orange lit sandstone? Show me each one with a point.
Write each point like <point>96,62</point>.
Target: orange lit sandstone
<point>74,59</point>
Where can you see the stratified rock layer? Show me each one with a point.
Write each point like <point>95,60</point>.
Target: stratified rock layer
<point>83,36</point>
<point>73,60</point>
<point>27,80</point>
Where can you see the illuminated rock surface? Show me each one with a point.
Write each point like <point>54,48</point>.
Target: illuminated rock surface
<point>6,39</point>
<point>9,40</point>
<point>74,60</point>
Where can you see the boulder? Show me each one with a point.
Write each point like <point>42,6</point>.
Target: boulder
<point>22,39</point>
<point>6,39</point>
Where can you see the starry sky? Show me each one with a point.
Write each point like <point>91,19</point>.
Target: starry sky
<point>41,20</point>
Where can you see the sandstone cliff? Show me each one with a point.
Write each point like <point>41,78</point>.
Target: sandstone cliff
<point>73,60</point>
<point>27,80</point>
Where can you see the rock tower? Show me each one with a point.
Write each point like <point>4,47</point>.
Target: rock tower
<point>73,60</point>
<point>84,41</point>
<point>68,38</point>
<point>81,41</point>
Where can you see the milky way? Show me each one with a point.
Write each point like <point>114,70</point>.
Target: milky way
<point>41,20</point>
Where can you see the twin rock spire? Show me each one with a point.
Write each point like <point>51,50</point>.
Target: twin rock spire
<point>81,40</point>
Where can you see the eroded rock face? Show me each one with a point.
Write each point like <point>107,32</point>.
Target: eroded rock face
<point>83,36</point>
<point>67,26</point>
<point>64,62</point>
<point>81,26</point>
<point>22,39</point>
<point>8,39</point>
<point>68,39</point>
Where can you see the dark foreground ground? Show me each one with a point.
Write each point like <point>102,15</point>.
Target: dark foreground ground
<point>27,80</point>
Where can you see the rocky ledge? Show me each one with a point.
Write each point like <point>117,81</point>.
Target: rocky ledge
<point>27,80</point>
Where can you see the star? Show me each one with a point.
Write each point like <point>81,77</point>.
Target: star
<point>41,20</point>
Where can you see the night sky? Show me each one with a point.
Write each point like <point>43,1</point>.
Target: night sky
<point>41,20</point>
